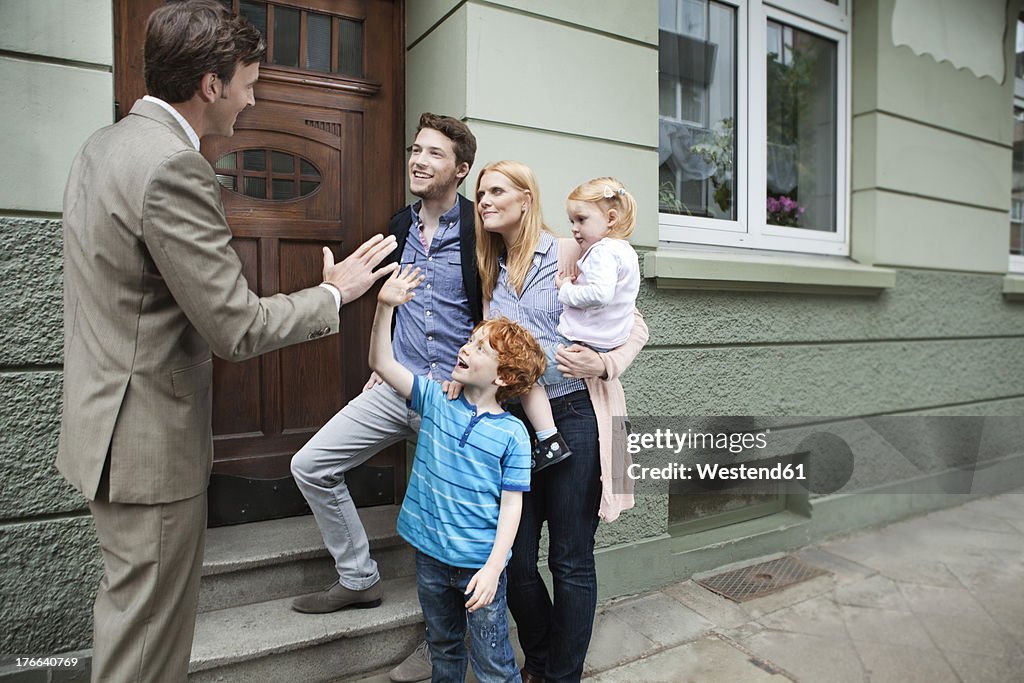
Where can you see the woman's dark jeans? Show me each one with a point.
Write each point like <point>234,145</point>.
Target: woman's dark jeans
<point>555,635</point>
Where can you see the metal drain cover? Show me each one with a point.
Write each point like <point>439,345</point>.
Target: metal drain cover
<point>760,579</point>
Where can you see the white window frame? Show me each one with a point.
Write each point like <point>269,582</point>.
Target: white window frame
<point>1016,264</point>
<point>750,229</point>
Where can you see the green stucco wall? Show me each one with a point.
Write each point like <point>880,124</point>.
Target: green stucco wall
<point>932,145</point>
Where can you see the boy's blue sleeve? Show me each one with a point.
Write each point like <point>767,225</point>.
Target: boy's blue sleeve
<point>425,394</point>
<point>515,463</point>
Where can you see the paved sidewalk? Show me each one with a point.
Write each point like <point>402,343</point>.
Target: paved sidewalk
<point>932,599</point>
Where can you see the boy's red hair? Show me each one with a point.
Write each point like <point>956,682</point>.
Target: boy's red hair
<point>521,361</point>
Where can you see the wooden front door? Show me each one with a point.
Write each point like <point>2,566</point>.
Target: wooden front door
<point>318,161</point>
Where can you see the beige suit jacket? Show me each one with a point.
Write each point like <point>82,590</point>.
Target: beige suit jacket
<point>151,286</point>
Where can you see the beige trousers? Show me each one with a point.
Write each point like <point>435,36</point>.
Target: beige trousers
<point>145,610</point>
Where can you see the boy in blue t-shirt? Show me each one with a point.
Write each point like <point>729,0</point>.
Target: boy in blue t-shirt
<point>465,494</point>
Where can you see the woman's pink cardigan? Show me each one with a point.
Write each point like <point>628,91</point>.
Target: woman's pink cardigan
<point>610,405</point>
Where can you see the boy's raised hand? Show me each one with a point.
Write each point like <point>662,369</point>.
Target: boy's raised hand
<point>398,289</point>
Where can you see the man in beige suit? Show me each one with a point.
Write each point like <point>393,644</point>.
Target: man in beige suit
<point>151,286</point>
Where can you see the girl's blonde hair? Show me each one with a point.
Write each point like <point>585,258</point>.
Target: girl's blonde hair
<point>489,245</point>
<point>608,193</point>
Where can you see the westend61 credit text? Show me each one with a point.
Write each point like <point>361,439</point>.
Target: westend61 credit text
<point>716,472</point>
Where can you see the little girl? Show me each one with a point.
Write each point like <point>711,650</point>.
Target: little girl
<point>597,304</point>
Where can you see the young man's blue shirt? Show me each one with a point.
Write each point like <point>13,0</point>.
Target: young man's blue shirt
<point>464,460</point>
<point>430,329</point>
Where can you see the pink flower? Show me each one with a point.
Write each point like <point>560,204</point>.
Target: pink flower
<point>783,210</point>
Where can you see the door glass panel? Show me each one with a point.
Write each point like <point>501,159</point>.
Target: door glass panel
<point>286,36</point>
<point>255,12</point>
<point>284,189</point>
<point>350,48</point>
<point>256,187</point>
<point>288,177</point>
<point>318,42</point>
<point>254,160</point>
<point>226,161</point>
<point>318,51</point>
<point>282,163</point>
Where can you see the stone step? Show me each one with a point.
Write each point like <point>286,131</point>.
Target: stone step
<point>281,558</point>
<point>269,642</point>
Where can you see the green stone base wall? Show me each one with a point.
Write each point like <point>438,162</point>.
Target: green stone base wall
<point>49,562</point>
<point>50,571</point>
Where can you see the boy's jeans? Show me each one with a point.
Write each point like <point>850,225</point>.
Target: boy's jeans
<point>442,592</point>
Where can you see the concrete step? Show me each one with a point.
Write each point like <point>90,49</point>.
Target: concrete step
<point>282,558</point>
<point>269,642</point>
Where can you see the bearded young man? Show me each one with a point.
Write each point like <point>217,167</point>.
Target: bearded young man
<point>437,235</point>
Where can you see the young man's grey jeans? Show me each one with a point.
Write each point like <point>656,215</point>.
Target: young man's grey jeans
<point>376,418</point>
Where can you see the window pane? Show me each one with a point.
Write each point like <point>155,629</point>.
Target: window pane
<point>308,187</point>
<point>693,19</point>
<point>282,163</point>
<point>307,168</point>
<point>255,187</point>
<point>318,42</point>
<point>697,107</point>
<point>227,181</point>
<point>1017,196</point>
<point>254,160</point>
<point>226,161</point>
<point>286,36</point>
<point>284,189</point>
<point>667,98</point>
<point>1019,64</point>
<point>667,14</point>
<point>350,48</point>
<point>255,12</point>
<point>801,150</point>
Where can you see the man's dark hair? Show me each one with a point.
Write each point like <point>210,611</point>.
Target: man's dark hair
<point>185,40</point>
<point>456,131</point>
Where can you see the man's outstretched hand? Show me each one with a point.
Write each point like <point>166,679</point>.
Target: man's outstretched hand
<point>356,274</point>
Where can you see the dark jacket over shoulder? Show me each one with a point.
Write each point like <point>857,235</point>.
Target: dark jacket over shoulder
<point>399,225</point>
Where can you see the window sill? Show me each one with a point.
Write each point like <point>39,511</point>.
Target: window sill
<point>672,269</point>
<point>1013,287</point>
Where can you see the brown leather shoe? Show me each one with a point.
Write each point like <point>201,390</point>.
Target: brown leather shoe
<point>530,678</point>
<point>336,597</point>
